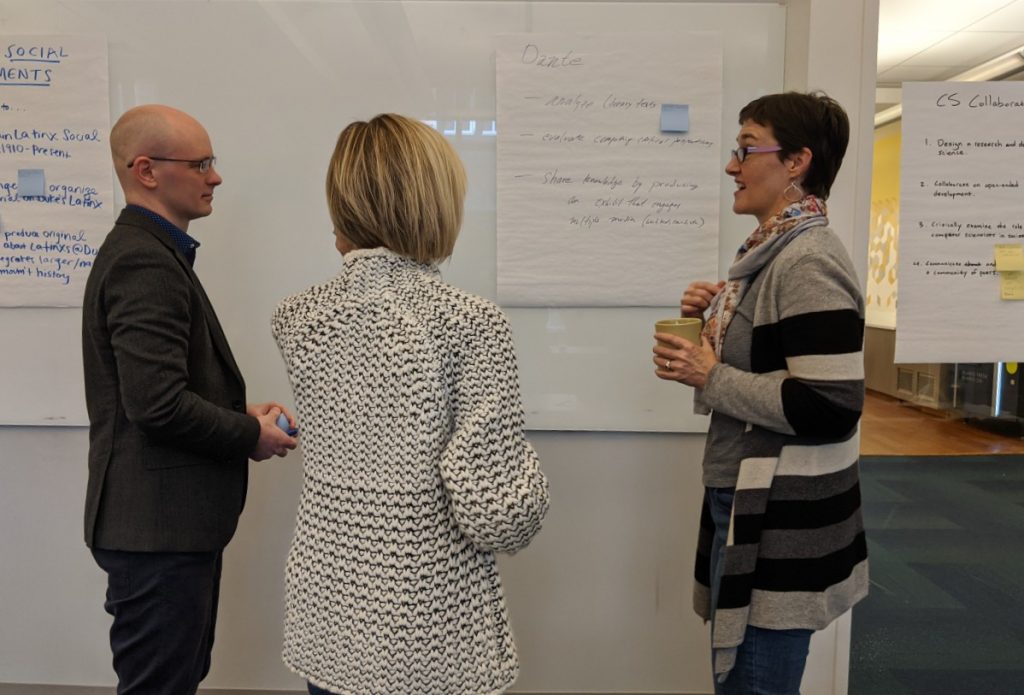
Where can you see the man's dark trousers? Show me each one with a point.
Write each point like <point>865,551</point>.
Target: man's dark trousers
<point>165,609</point>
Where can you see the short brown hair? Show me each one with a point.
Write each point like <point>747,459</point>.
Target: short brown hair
<point>397,183</point>
<point>815,121</point>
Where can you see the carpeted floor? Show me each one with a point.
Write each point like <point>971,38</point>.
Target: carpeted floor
<point>946,611</point>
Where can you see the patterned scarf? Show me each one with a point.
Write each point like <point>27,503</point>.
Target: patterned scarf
<point>755,253</point>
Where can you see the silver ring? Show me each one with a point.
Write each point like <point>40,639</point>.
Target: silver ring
<point>668,365</point>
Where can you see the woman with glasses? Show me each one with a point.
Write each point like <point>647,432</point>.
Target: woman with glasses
<point>416,468</point>
<point>781,551</point>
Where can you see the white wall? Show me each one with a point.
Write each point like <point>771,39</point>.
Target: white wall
<point>600,602</point>
<point>832,45</point>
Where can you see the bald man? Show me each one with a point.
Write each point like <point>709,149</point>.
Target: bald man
<point>170,434</point>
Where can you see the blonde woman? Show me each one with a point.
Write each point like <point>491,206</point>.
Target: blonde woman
<point>416,467</point>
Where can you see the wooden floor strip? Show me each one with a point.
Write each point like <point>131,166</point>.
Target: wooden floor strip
<point>890,427</point>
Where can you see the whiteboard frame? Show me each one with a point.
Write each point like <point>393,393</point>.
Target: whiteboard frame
<point>274,100</point>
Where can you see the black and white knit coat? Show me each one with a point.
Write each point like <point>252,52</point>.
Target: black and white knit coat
<point>416,471</point>
<point>789,392</point>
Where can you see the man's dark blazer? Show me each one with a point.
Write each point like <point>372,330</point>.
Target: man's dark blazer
<point>168,437</point>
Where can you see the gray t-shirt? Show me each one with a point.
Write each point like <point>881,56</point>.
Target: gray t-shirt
<point>724,448</point>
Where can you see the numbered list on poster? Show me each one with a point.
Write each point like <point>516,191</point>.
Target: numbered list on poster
<point>961,203</point>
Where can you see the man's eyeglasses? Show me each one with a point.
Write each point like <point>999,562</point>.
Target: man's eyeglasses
<point>740,153</point>
<point>203,165</point>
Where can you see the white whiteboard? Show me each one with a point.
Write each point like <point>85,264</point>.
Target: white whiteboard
<point>274,83</point>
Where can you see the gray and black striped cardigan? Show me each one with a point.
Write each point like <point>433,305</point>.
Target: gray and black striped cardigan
<point>795,555</point>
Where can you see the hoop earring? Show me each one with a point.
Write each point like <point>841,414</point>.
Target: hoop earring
<point>796,189</point>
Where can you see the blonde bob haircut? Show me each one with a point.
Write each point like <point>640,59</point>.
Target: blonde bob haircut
<point>397,183</point>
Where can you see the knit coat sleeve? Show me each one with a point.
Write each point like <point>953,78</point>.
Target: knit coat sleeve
<point>491,473</point>
<point>807,370</point>
<point>283,325</point>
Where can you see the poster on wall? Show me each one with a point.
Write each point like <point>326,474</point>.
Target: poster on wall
<point>56,182</point>
<point>961,247</point>
<point>608,167</point>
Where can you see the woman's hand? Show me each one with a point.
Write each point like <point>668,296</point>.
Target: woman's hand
<point>697,297</point>
<point>684,362</point>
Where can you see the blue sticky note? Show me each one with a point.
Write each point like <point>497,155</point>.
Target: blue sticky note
<point>31,183</point>
<point>675,118</point>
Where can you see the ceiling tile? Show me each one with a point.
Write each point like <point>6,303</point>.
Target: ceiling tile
<point>895,76</point>
<point>968,48</point>
<point>894,47</point>
<point>937,39</point>
<point>1010,18</point>
<point>933,15</point>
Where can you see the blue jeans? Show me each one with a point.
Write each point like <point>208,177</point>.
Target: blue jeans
<point>769,662</point>
<point>313,690</point>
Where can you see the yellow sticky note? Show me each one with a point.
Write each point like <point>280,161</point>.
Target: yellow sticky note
<point>1009,258</point>
<point>1011,285</point>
